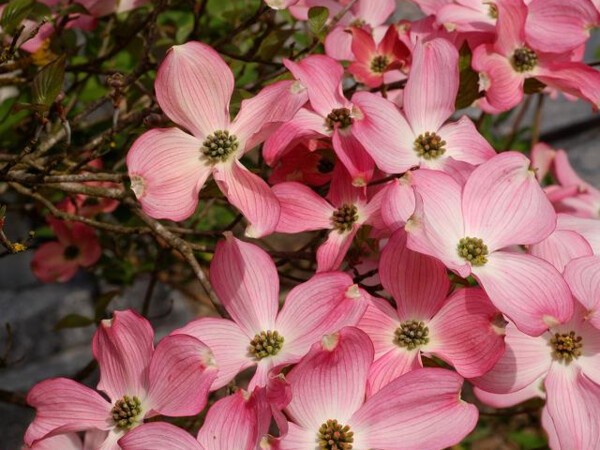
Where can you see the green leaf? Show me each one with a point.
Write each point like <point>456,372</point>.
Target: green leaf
<point>317,17</point>
<point>48,83</point>
<point>468,88</point>
<point>73,321</point>
<point>14,13</point>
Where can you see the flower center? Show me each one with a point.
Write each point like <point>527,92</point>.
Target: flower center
<point>218,146</point>
<point>493,11</point>
<point>266,343</point>
<point>411,334</point>
<point>344,217</point>
<point>71,252</point>
<point>566,347</point>
<point>473,250</point>
<point>524,59</point>
<point>126,411</point>
<point>430,146</point>
<point>340,118</point>
<point>379,63</point>
<point>358,23</point>
<point>325,165</point>
<point>335,436</point>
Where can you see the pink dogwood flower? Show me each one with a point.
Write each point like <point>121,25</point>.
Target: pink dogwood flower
<point>565,363</point>
<point>246,281</point>
<point>302,209</point>
<point>233,422</point>
<point>464,329</point>
<point>468,228</point>
<point>168,166</point>
<point>139,381</point>
<point>514,57</point>
<point>420,136</point>
<point>468,16</point>
<point>421,409</point>
<point>374,63</point>
<point>583,277</point>
<point>310,162</point>
<point>77,246</point>
<point>332,115</point>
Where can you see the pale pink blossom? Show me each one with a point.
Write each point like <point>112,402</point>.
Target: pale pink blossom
<point>468,16</point>
<point>168,166</point>
<point>302,209</point>
<point>77,246</point>
<point>583,277</point>
<point>420,135</point>
<point>421,409</point>
<point>564,363</point>
<point>470,228</point>
<point>234,422</point>
<point>514,57</point>
<point>463,329</point>
<point>245,279</point>
<point>138,380</point>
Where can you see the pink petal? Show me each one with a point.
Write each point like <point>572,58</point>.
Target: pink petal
<point>552,26</point>
<point>510,25</point>
<point>330,382</point>
<point>353,156</point>
<point>246,281</point>
<point>422,409</point>
<point>305,124</point>
<point>231,423</point>
<point>561,247</point>
<point>466,333</point>
<point>464,143</point>
<point>70,441</point>
<point>374,12</point>
<point>575,416</point>
<point>167,173</point>
<point>227,342</point>
<point>442,217</point>
<point>525,360</point>
<point>466,16</point>
<point>417,282</point>
<point>123,347</point>
<point>322,76</point>
<point>85,237</point>
<point>193,87</point>
<point>338,44</point>
<point>574,78</point>
<point>180,375</point>
<point>301,209</point>
<point>380,321</point>
<point>390,366</point>
<point>159,436</point>
<point>502,84</point>
<point>62,406</point>
<point>384,133</point>
<point>565,173</point>
<point>514,398</point>
<point>297,438</point>
<point>342,191</point>
<point>528,290</point>
<point>398,203</point>
<point>542,157</point>
<point>430,93</point>
<point>583,277</point>
<point>273,105</point>
<point>49,264</point>
<point>333,301</point>
<point>503,203</point>
<point>252,196</point>
<point>363,45</point>
<point>332,252</point>
<point>588,228</point>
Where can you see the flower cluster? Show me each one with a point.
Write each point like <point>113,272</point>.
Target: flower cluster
<point>443,260</point>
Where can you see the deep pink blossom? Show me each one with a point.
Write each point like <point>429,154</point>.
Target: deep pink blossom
<point>246,281</point>
<point>564,362</point>
<point>139,381</point>
<point>310,162</point>
<point>302,209</point>
<point>421,409</point>
<point>469,229</point>
<point>463,329</point>
<point>77,246</point>
<point>168,166</point>
<point>420,136</point>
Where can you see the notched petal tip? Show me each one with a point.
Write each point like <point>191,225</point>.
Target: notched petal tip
<point>330,341</point>
<point>138,185</point>
<point>353,292</point>
<point>551,321</point>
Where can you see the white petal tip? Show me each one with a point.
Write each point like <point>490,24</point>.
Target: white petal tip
<point>551,321</point>
<point>353,292</point>
<point>359,182</point>
<point>329,341</point>
<point>138,186</point>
